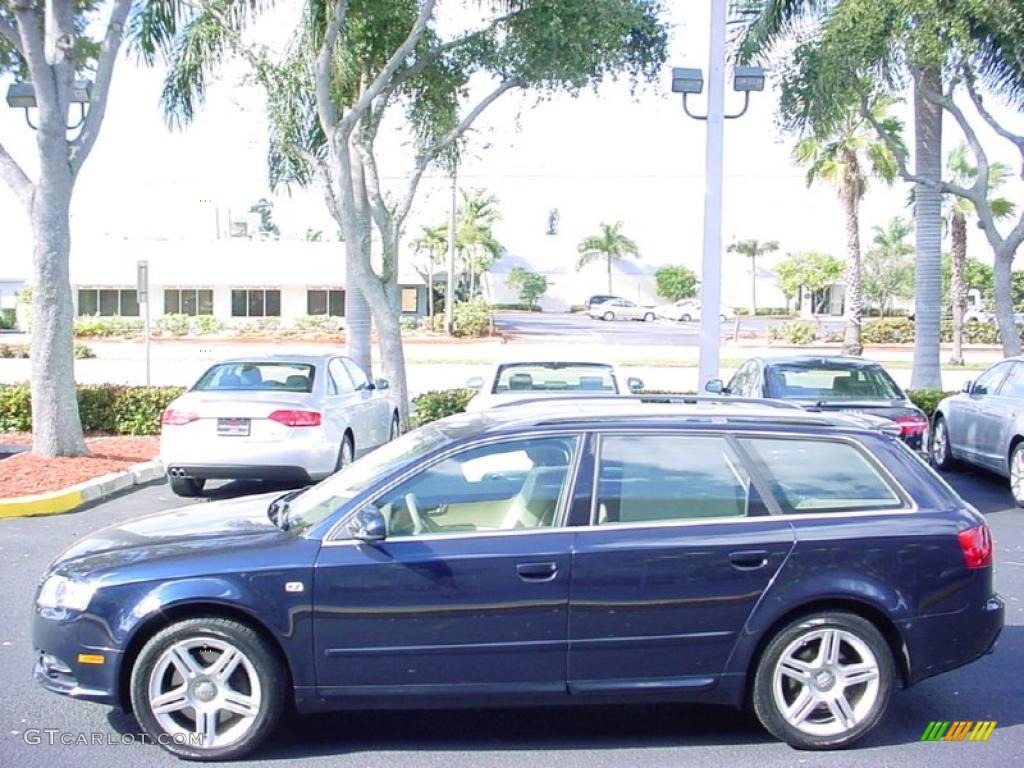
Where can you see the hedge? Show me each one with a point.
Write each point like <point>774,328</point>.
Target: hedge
<point>431,406</point>
<point>793,332</point>
<point>22,351</point>
<point>928,399</point>
<point>900,330</point>
<point>112,409</point>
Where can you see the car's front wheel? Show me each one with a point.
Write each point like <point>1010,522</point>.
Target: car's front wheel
<point>649,317</point>
<point>824,681</point>
<point>942,454</point>
<point>1017,473</point>
<point>685,319</point>
<point>608,316</point>
<point>208,689</point>
<point>189,487</point>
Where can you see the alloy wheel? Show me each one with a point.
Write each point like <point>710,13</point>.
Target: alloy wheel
<point>826,682</point>
<point>1017,475</point>
<point>205,687</point>
<point>940,443</point>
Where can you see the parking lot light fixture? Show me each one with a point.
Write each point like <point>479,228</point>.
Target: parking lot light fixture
<point>23,96</point>
<point>687,80</point>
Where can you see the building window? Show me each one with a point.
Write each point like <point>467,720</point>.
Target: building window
<point>325,302</point>
<point>188,301</point>
<point>255,302</point>
<point>410,300</point>
<point>108,302</point>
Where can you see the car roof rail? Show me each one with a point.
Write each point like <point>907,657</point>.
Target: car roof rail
<point>653,398</point>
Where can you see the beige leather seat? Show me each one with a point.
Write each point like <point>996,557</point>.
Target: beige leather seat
<point>536,503</point>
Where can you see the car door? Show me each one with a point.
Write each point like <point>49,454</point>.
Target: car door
<point>678,553</point>
<point>377,406</point>
<point>468,594</point>
<point>972,418</point>
<point>1002,417</point>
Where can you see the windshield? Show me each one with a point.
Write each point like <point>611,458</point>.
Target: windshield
<point>830,382</point>
<point>319,502</point>
<point>555,377</point>
<point>290,377</point>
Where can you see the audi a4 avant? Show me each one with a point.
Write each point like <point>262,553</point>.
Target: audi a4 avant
<point>571,552</point>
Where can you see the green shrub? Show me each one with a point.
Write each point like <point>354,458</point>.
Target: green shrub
<point>318,323</point>
<point>22,351</point>
<point>258,326</point>
<point>766,311</point>
<point>7,317</point>
<point>517,307</point>
<point>888,330</point>
<point>94,326</point>
<point>173,325</point>
<point>471,319</point>
<point>206,324</point>
<point>107,408</point>
<point>410,323</point>
<point>431,406</point>
<point>927,399</point>
<point>795,332</point>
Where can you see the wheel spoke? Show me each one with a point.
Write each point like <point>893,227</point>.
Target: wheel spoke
<point>206,726</point>
<point>855,674</point>
<point>842,711</point>
<point>185,662</point>
<point>828,650</point>
<point>802,707</point>
<point>225,665</point>
<point>172,701</point>
<point>796,670</point>
<point>240,704</point>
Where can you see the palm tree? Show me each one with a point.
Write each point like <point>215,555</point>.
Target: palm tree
<point>434,243</point>
<point>610,245</point>
<point>887,269</point>
<point>754,249</point>
<point>844,157</point>
<point>475,238</point>
<point>963,173</point>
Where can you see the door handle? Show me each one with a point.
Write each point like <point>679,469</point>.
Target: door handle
<point>749,559</point>
<point>537,571</point>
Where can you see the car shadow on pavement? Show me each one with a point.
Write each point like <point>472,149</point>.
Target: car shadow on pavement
<point>232,489</point>
<point>985,490</point>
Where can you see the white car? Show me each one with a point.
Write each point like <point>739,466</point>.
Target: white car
<point>509,382</point>
<point>688,310</point>
<point>291,418</point>
<point>621,309</point>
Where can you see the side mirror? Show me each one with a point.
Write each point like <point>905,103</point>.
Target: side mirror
<point>381,384</point>
<point>634,384</point>
<point>369,525</point>
<point>967,387</point>
<point>715,387</point>
<point>476,382</point>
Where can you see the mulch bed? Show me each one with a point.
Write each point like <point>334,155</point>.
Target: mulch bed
<point>25,473</point>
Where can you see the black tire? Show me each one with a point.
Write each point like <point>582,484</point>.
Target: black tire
<point>347,445</point>
<point>188,487</point>
<point>261,658</point>
<point>395,430</point>
<point>873,694</point>
<point>1017,474</point>
<point>608,316</point>
<point>685,319</point>
<point>941,453</point>
<point>649,317</point>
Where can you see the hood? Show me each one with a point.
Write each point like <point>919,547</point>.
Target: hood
<point>194,527</point>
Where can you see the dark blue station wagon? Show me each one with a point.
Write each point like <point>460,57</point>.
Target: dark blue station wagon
<point>728,553</point>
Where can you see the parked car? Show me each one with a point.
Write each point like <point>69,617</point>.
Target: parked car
<point>831,384</point>
<point>984,425</point>
<point>599,298</point>
<point>688,310</point>
<point>290,418</point>
<point>555,553</point>
<point>509,382</point>
<point>621,309</point>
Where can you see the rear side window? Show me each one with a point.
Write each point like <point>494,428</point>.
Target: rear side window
<point>649,478</point>
<point>809,476</point>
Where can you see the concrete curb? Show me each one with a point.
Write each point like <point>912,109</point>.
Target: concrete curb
<point>75,496</point>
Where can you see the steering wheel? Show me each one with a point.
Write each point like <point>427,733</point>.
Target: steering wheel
<point>418,524</point>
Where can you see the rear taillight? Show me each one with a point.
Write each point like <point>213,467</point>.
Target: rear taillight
<point>173,418</point>
<point>296,418</point>
<point>912,425</point>
<point>976,544</point>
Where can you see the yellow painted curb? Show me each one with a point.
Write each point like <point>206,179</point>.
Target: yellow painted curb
<point>46,504</point>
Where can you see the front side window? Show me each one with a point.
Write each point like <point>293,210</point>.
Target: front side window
<point>651,478</point>
<point>988,382</point>
<point>1014,384</point>
<point>356,373</point>
<point>340,382</point>
<point>514,485</point>
<point>808,476</point>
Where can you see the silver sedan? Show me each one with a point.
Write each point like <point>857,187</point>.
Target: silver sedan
<point>621,309</point>
<point>293,418</point>
<point>984,425</point>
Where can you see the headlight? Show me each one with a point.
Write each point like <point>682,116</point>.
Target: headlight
<point>62,592</point>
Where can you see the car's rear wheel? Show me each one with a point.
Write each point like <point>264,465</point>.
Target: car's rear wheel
<point>608,316</point>
<point>824,681</point>
<point>685,319</point>
<point>208,689</point>
<point>1017,473</point>
<point>188,487</point>
<point>942,454</point>
<point>648,317</point>
<point>346,453</point>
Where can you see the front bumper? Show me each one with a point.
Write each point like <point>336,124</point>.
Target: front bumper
<point>58,638</point>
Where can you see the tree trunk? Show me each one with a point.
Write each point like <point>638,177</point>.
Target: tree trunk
<point>1008,330</point>
<point>430,291</point>
<point>957,282</point>
<point>56,426</point>
<point>854,303</point>
<point>357,310</point>
<point>753,288</point>
<point>608,259</point>
<point>927,373</point>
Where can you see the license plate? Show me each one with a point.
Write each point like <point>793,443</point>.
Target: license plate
<point>233,427</point>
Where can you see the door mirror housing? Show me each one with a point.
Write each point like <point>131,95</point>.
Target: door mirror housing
<point>715,387</point>
<point>476,382</point>
<point>634,384</point>
<point>381,384</point>
<point>967,387</point>
<point>369,525</point>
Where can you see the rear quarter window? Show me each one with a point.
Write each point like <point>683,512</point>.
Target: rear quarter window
<point>809,476</point>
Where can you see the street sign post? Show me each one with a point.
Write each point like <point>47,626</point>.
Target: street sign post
<point>142,293</point>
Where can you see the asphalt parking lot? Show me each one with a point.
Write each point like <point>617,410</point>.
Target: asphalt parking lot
<point>594,737</point>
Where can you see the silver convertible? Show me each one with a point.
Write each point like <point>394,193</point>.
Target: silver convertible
<point>984,425</point>
<point>292,418</point>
